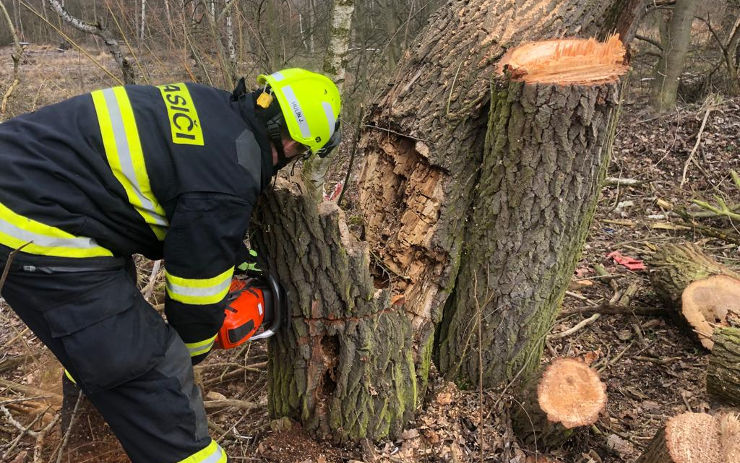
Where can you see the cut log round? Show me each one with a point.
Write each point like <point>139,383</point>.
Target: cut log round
<point>675,266</point>
<point>711,302</point>
<point>723,373</point>
<point>566,395</point>
<point>694,438</point>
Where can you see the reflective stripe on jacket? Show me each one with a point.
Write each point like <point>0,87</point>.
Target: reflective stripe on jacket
<point>170,171</point>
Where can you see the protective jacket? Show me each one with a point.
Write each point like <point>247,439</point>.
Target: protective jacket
<point>168,172</point>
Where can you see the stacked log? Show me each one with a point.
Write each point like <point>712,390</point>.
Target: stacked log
<point>695,438</point>
<point>704,293</point>
<point>563,396</point>
<point>710,303</point>
<point>675,266</point>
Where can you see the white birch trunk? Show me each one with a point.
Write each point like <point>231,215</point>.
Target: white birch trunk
<point>334,67</point>
<point>143,20</point>
<point>230,36</point>
<point>168,15</point>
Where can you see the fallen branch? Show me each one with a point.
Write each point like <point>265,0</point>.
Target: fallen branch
<point>614,181</point>
<point>242,404</point>
<point>576,328</point>
<point>613,309</point>
<point>696,145</point>
<point>67,432</point>
<point>29,390</point>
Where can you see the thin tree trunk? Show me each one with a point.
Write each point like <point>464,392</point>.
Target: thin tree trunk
<point>670,65</point>
<point>168,15</point>
<point>143,20</point>
<point>230,37</point>
<point>335,63</point>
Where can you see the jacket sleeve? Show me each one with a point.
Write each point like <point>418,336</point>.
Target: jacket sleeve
<point>206,233</point>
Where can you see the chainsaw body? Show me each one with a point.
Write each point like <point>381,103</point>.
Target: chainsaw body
<point>254,311</point>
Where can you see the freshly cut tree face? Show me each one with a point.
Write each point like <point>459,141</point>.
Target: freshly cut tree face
<point>566,61</point>
<point>708,303</point>
<point>571,393</point>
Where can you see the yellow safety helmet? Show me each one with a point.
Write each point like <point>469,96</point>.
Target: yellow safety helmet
<point>310,104</point>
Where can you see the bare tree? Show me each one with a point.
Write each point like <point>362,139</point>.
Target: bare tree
<point>675,46</point>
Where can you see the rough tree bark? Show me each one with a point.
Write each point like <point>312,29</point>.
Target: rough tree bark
<point>723,373</point>
<point>345,366</point>
<point>695,438</point>
<point>546,153</point>
<point>356,360</point>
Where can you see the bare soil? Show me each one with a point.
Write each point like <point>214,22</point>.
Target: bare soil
<point>652,366</point>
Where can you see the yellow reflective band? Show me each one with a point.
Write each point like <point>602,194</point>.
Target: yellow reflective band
<point>45,240</point>
<point>69,377</point>
<point>197,348</point>
<point>125,156</point>
<point>198,291</point>
<point>211,454</point>
<point>182,115</point>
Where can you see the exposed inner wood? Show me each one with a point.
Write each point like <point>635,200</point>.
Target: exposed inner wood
<point>566,61</point>
<point>571,393</point>
<point>400,199</point>
<point>694,438</point>
<point>708,303</point>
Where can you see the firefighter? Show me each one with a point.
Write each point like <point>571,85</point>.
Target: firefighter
<point>171,172</point>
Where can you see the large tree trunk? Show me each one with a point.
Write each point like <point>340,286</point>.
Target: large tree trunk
<point>357,357</point>
<point>546,154</point>
<point>344,368</point>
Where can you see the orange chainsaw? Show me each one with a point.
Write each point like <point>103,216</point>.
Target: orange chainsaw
<point>254,311</point>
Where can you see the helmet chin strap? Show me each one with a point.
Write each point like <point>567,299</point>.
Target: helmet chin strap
<point>268,111</point>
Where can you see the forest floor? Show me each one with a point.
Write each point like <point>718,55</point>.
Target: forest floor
<point>653,368</point>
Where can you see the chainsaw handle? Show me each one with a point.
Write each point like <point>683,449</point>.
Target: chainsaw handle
<point>276,320</point>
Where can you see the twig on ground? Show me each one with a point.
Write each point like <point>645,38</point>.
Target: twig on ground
<point>149,289</point>
<point>241,404</point>
<point>29,390</point>
<point>576,328</point>
<point>614,309</point>
<point>20,436</point>
<point>40,438</point>
<point>696,145</point>
<point>623,181</point>
<point>67,432</point>
<point>16,424</point>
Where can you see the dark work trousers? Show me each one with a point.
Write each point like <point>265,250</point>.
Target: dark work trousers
<point>130,364</point>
